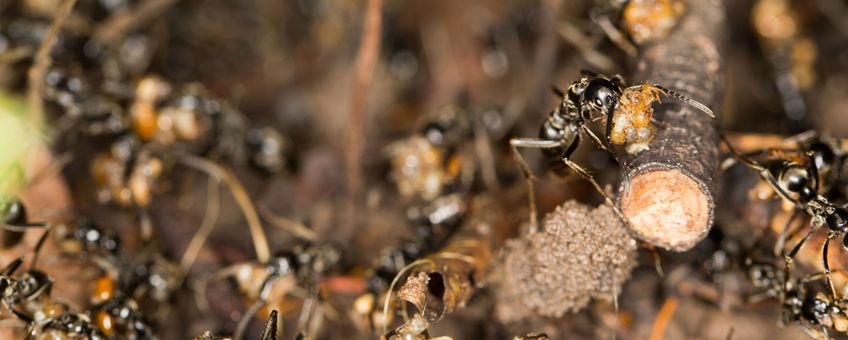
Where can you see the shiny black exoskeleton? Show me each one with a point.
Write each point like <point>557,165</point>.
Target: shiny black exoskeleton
<point>69,326</point>
<point>94,240</point>
<point>591,93</point>
<point>15,222</point>
<point>127,321</point>
<point>797,180</point>
<point>268,150</point>
<point>23,288</point>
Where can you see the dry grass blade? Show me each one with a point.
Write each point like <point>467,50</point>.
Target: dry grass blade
<point>260,241</point>
<point>38,71</point>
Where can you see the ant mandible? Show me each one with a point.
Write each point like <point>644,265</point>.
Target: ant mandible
<point>561,131</point>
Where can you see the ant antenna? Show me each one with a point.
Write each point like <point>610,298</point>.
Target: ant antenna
<point>691,102</point>
<point>557,91</point>
<point>12,267</point>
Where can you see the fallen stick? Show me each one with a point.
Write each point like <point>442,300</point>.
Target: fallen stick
<point>366,61</point>
<point>668,192</point>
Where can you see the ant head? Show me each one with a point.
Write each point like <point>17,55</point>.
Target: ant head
<point>446,126</point>
<point>282,264</point>
<point>601,95</point>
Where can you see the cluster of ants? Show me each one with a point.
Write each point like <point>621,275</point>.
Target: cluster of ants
<point>154,126</point>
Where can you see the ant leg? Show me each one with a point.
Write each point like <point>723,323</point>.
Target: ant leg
<point>764,173</point>
<point>599,143</point>
<point>615,35</point>
<point>828,281</point>
<point>788,261</point>
<point>781,241</point>
<point>12,267</point>
<point>37,248</point>
<point>517,143</point>
<point>748,161</point>
<point>588,176</point>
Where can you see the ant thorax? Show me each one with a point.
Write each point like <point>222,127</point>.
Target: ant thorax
<point>646,20</point>
<point>631,120</point>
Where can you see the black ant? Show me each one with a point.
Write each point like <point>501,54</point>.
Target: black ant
<point>433,224</point>
<point>799,304</point>
<point>120,316</point>
<point>560,133</point>
<point>430,162</point>
<point>271,283</point>
<point>66,326</point>
<point>97,113</point>
<point>24,289</point>
<point>796,179</point>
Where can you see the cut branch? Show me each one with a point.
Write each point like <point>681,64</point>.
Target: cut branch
<point>365,62</point>
<point>668,192</point>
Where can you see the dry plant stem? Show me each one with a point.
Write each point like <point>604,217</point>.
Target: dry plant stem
<point>260,242</point>
<point>366,60</point>
<point>293,227</point>
<point>38,71</point>
<point>546,50</point>
<point>210,218</point>
<point>663,318</point>
<point>119,24</point>
<point>668,192</point>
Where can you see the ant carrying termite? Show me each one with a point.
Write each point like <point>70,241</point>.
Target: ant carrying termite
<point>619,104</point>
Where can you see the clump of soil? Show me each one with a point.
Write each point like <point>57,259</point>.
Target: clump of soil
<point>582,253</point>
